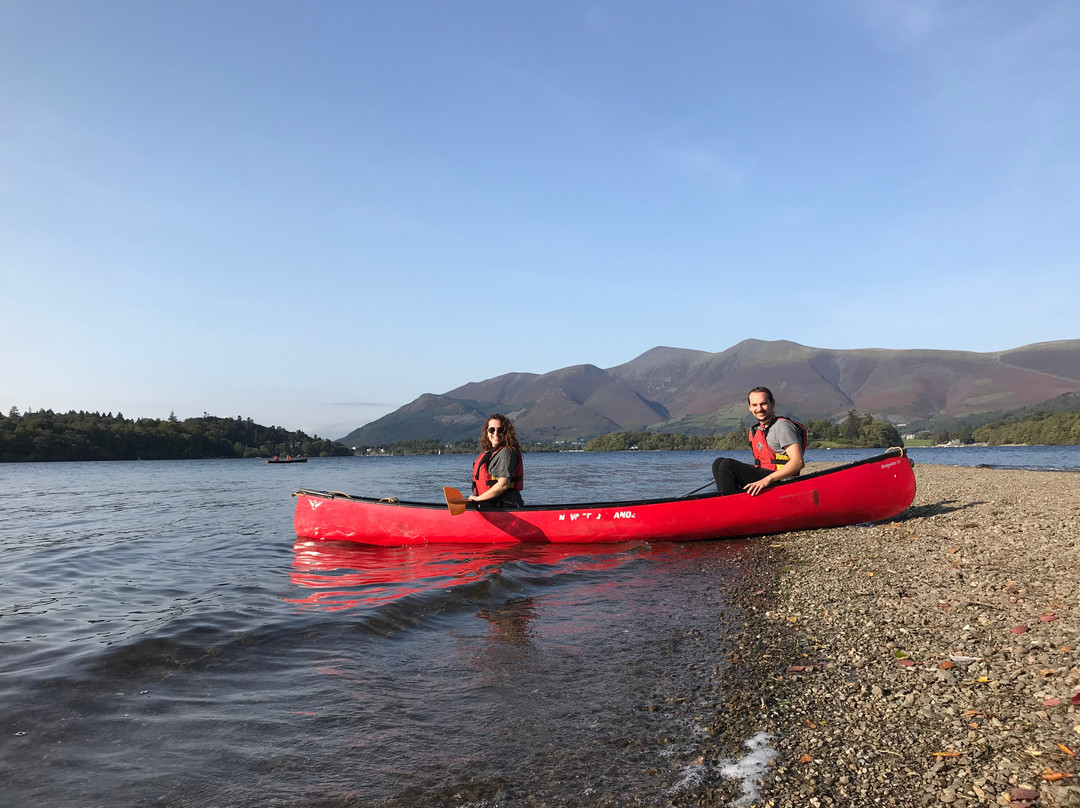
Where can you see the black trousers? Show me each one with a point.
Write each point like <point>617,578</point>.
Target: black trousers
<point>732,476</point>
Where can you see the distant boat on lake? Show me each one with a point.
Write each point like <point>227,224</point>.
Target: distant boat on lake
<point>287,460</point>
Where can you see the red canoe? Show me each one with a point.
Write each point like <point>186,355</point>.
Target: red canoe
<point>865,491</point>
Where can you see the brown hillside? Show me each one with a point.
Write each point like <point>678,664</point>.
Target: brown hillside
<point>691,390</point>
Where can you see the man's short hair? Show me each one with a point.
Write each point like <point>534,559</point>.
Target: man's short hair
<point>765,390</point>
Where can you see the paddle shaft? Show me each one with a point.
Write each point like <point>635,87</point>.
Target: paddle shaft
<point>702,488</point>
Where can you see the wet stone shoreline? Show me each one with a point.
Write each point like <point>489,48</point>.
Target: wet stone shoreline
<point>928,661</point>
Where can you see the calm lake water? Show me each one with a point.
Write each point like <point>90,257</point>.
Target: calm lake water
<point>165,640</point>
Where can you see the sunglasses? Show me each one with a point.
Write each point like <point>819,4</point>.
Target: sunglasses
<point>492,430</point>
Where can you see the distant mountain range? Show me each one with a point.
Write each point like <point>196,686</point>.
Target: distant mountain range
<point>696,392</point>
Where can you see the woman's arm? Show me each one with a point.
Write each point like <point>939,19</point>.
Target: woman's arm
<point>502,485</point>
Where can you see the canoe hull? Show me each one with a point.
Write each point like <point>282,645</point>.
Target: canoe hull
<point>866,491</point>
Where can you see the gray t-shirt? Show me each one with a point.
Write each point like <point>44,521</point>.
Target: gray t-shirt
<point>782,433</point>
<point>503,463</point>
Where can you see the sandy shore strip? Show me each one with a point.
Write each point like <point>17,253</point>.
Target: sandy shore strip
<point>931,660</point>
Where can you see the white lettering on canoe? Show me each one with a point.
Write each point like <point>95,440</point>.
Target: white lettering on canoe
<point>582,515</point>
<point>624,515</point>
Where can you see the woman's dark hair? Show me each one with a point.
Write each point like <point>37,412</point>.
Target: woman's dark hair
<point>510,439</point>
<point>765,390</point>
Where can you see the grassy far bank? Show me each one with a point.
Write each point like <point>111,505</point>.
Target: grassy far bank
<point>862,431</point>
<point>45,435</point>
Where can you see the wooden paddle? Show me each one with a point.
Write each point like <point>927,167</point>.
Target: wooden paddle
<point>454,501</point>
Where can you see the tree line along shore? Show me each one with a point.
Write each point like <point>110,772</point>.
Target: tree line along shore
<point>47,436</point>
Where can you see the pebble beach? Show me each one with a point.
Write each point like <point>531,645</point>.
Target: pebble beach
<point>927,661</point>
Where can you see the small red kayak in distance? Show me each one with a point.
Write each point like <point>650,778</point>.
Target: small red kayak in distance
<point>868,490</point>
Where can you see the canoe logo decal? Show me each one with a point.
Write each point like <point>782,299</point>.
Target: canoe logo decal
<point>315,503</point>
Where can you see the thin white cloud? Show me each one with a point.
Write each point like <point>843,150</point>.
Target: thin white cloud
<point>906,21</point>
<point>697,161</point>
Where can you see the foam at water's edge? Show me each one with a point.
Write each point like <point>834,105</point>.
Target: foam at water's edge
<point>751,768</point>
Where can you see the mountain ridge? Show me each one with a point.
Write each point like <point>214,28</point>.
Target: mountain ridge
<point>698,392</point>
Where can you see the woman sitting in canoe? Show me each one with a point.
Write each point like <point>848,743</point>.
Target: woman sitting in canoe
<point>498,473</point>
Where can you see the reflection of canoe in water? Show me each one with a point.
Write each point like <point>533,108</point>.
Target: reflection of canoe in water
<point>288,460</point>
<point>340,575</point>
<point>865,491</point>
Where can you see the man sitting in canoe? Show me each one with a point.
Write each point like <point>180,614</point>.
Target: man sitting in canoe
<point>778,444</point>
<point>498,473</point>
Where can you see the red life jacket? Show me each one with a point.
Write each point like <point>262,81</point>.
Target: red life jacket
<point>764,456</point>
<point>482,479</point>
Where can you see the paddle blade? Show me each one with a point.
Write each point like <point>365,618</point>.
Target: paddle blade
<point>454,500</point>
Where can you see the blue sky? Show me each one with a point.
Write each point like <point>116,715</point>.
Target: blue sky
<point>310,213</point>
